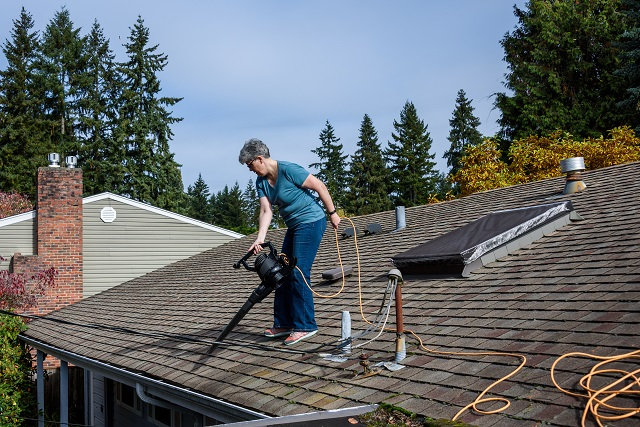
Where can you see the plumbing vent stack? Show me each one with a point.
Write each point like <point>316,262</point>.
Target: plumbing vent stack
<point>401,350</point>
<point>346,331</point>
<point>54,160</point>
<point>573,167</point>
<point>400,218</point>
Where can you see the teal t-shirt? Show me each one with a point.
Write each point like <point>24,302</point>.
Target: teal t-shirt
<point>297,205</point>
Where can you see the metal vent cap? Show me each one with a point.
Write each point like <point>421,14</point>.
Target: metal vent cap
<point>572,164</point>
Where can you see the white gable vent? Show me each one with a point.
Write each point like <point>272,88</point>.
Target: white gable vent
<point>108,214</point>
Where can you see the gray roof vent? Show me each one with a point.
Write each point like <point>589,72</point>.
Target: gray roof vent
<point>573,167</point>
<point>401,221</point>
<point>373,228</point>
<point>484,240</point>
<point>348,232</point>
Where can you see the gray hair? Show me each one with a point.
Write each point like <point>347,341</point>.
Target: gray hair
<point>252,149</point>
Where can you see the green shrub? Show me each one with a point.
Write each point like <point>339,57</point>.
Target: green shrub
<point>16,395</point>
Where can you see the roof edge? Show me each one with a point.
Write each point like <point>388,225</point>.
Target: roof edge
<point>13,219</point>
<point>164,390</point>
<point>309,417</point>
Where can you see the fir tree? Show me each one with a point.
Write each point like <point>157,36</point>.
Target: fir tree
<point>227,208</point>
<point>561,60</point>
<point>464,132</point>
<point>99,85</point>
<point>630,60</point>
<point>332,165</point>
<point>63,61</point>
<point>152,174</point>
<point>412,169</point>
<point>24,140</point>
<point>368,174</point>
<point>198,200</point>
<point>251,205</point>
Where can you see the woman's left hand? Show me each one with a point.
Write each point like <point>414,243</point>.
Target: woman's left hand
<point>335,220</point>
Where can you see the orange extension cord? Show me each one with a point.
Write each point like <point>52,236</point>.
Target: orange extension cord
<point>595,400</point>
<point>620,386</point>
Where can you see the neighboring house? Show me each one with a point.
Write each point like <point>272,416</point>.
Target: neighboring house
<point>567,283</point>
<point>120,239</point>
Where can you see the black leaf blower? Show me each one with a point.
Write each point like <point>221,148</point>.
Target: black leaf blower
<point>272,269</point>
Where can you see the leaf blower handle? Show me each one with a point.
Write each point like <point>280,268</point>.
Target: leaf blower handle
<point>243,261</point>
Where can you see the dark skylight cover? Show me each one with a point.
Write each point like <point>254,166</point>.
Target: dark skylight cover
<point>453,251</point>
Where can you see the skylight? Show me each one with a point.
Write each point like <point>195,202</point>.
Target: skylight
<point>484,240</point>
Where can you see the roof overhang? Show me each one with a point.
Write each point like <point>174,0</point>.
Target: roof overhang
<point>212,407</point>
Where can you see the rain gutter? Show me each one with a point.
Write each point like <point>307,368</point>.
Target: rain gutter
<point>214,408</point>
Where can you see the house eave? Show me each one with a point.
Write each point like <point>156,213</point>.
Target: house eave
<point>212,407</point>
<point>17,218</point>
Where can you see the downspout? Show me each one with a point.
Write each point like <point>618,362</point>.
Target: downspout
<point>142,394</point>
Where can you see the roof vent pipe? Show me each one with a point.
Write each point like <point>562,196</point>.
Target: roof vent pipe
<point>573,167</point>
<point>71,161</point>
<point>346,331</point>
<point>54,160</point>
<point>400,218</point>
<point>401,350</point>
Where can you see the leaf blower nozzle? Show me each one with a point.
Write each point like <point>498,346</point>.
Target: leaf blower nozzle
<point>272,269</point>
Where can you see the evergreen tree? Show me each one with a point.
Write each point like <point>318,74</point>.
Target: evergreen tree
<point>412,170</point>
<point>198,201</point>
<point>227,208</point>
<point>464,132</point>
<point>561,60</point>
<point>24,140</point>
<point>630,59</point>
<point>152,174</point>
<point>63,61</point>
<point>99,85</point>
<point>251,205</point>
<point>368,174</point>
<point>332,167</point>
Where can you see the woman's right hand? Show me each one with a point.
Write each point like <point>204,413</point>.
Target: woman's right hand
<point>256,247</point>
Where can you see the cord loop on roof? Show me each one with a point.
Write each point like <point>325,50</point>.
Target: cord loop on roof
<point>620,385</point>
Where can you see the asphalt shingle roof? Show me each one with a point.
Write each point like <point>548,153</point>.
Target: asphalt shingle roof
<point>574,290</point>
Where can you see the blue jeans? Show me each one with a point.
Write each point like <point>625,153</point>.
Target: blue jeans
<point>293,301</point>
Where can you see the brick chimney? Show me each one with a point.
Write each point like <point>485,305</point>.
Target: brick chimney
<point>59,235</point>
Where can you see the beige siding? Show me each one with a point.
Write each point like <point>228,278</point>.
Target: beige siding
<point>16,238</point>
<point>137,242</point>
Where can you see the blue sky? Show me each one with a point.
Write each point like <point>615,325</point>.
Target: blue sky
<point>279,69</point>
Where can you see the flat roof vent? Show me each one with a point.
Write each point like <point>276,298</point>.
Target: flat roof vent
<point>484,240</point>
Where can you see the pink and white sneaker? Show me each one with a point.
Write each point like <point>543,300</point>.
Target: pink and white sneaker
<point>298,336</point>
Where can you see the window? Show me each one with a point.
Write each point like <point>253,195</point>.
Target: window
<point>164,416</point>
<point>127,397</point>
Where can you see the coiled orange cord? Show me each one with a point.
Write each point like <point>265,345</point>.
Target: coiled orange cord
<point>621,384</point>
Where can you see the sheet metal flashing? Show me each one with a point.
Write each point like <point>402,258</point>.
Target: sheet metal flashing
<point>334,418</point>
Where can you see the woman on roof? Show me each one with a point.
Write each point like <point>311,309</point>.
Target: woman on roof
<point>289,186</point>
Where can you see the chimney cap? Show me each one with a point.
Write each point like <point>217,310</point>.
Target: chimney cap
<point>54,160</point>
<point>71,161</point>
